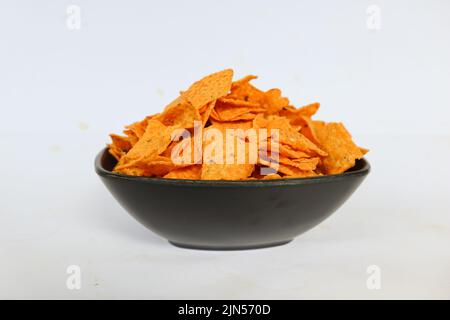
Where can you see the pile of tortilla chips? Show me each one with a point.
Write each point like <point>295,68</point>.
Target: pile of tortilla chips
<point>305,147</point>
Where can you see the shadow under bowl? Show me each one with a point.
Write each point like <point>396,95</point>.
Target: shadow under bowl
<point>229,215</point>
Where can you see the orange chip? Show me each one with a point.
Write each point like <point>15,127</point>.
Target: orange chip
<point>260,121</point>
<point>289,136</point>
<point>123,143</point>
<point>271,176</point>
<point>226,171</point>
<point>305,147</point>
<point>240,124</point>
<point>294,171</point>
<point>363,150</point>
<point>132,137</point>
<point>235,110</point>
<point>184,151</point>
<point>230,102</point>
<point>302,174</point>
<point>115,152</point>
<point>155,140</point>
<point>158,166</point>
<point>206,114</point>
<point>287,151</point>
<point>309,110</point>
<point>224,113</point>
<point>216,165</point>
<point>295,115</point>
<point>132,171</point>
<point>307,129</point>
<point>119,146</point>
<point>342,151</point>
<point>274,102</point>
<point>179,113</point>
<point>243,90</point>
<point>209,88</point>
<point>191,173</point>
<point>305,164</point>
<point>289,166</point>
<point>137,129</point>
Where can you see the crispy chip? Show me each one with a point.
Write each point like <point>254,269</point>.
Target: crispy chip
<point>235,110</point>
<point>287,151</point>
<point>240,124</point>
<point>207,112</point>
<point>115,152</point>
<point>226,171</point>
<point>216,165</point>
<point>123,143</point>
<point>290,167</point>
<point>155,140</point>
<point>191,173</point>
<point>290,136</point>
<point>274,102</point>
<point>137,129</point>
<point>302,174</point>
<point>158,166</point>
<point>224,113</point>
<point>209,88</point>
<point>305,164</point>
<point>179,113</point>
<point>294,114</point>
<point>193,137</point>
<point>271,176</point>
<point>342,151</point>
<point>309,110</point>
<point>243,90</point>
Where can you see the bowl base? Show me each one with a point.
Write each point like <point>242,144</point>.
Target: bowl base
<point>228,248</point>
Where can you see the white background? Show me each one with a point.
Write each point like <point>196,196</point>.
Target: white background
<point>62,91</point>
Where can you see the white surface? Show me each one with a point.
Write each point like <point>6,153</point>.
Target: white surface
<point>62,92</point>
<point>56,212</point>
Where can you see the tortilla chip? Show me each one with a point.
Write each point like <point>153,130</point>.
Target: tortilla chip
<point>338,143</point>
<point>226,171</point>
<point>116,152</point>
<point>138,128</point>
<point>191,173</point>
<point>155,140</point>
<point>240,124</point>
<point>272,176</point>
<point>309,110</point>
<point>155,167</point>
<point>123,143</point>
<point>216,163</point>
<point>179,113</point>
<point>232,102</point>
<point>290,136</point>
<point>235,110</point>
<point>284,142</point>
<point>287,151</point>
<point>274,102</point>
<point>305,164</point>
<point>243,90</point>
<point>209,88</point>
<point>302,174</point>
<point>207,112</point>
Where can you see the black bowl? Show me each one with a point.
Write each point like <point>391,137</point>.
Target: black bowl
<point>229,215</point>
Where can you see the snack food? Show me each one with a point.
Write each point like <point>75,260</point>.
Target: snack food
<point>224,130</point>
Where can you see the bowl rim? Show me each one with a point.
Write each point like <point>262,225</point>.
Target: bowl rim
<point>102,172</point>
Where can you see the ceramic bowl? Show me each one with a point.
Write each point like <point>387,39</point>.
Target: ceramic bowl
<point>229,215</point>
